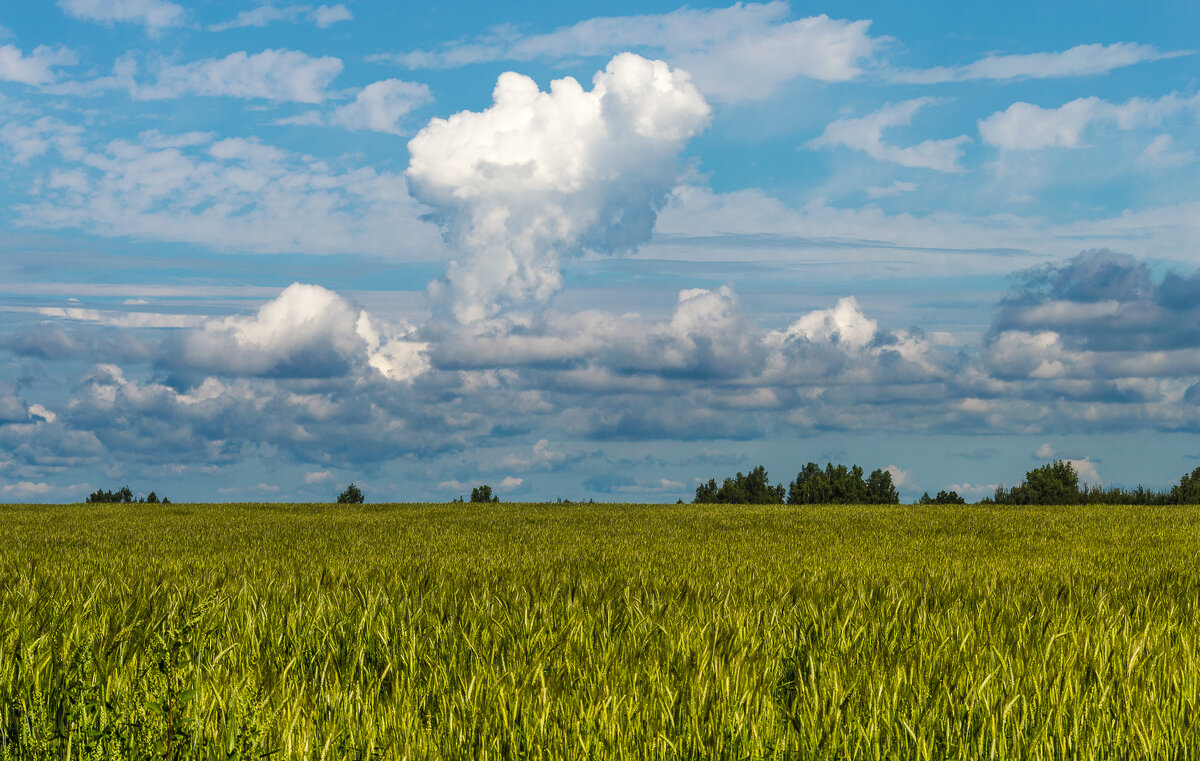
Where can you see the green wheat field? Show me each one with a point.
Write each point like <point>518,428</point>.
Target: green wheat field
<point>598,632</point>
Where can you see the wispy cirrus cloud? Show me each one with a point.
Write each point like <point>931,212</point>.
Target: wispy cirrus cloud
<point>740,53</point>
<point>1079,61</point>
<point>322,16</point>
<point>260,16</point>
<point>865,134</point>
<point>233,194</point>
<point>278,75</point>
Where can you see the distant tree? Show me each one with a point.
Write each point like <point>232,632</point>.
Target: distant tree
<point>811,487</point>
<point>100,496</point>
<point>942,498</point>
<point>483,493</point>
<point>1053,484</point>
<point>837,484</point>
<point>152,498</point>
<point>1187,491</point>
<point>352,496</point>
<point>706,494</point>
<point>880,489</point>
<point>753,488</point>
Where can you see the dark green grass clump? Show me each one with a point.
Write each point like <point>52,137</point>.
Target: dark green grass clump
<point>598,631</point>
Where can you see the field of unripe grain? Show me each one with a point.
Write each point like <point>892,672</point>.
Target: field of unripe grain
<point>598,632</point>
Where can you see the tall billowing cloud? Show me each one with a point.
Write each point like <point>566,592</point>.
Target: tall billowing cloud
<point>543,174</point>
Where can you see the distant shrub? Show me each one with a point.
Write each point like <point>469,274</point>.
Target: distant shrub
<point>942,498</point>
<point>483,493</point>
<point>352,496</point>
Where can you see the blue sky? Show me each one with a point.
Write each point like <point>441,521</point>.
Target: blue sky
<point>258,251</point>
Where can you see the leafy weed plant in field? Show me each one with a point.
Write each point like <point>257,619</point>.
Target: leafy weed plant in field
<point>598,631</point>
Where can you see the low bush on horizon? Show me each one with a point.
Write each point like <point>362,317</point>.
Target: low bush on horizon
<point>598,631</point>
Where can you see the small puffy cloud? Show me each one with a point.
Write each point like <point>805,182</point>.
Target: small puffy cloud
<point>317,476</point>
<point>307,332</point>
<point>1025,126</point>
<point>866,134</point>
<point>37,68</point>
<point>1044,451</point>
<point>1086,470</point>
<point>155,15</point>
<point>743,52</point>
<point>27,141</point>
<point>1161,153</point>
<point>542,456</point>
<point>325,16</point>
<point>511,482</point>
<point>380,106</point>
<point>278,75</point>
<point>899,477</point>
<point>1079,61</point>
<point>844,325</point>
<point>542,174</point>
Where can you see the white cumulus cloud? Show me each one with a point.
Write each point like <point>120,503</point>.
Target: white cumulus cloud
<point>1086,470</point>
<point>1025,126</point>
<point>37,68</point>
<point>542,174</point>
<point>307,331</point>
<point>844,325</point>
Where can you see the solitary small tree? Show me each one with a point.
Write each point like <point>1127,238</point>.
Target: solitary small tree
<point>352,496</point>
<point>483,494</point>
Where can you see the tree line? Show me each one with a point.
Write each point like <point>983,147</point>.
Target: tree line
<point>124,496</point>
<point>1056,483</point>
<point>813,486</point>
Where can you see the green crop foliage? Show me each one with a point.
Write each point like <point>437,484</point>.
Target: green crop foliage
<point>498,631</point>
